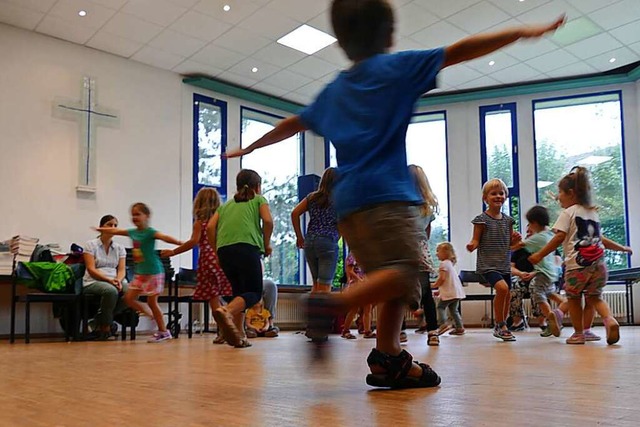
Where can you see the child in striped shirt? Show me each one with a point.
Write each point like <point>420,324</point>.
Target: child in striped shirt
<point>492,236</point>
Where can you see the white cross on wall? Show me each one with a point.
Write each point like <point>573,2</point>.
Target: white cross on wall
<point>90,115</point>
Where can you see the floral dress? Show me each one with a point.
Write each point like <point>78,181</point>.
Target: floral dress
<point>212,281</point>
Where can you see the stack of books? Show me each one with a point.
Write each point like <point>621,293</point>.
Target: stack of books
<point>6,259</point>
<point>22,247</point>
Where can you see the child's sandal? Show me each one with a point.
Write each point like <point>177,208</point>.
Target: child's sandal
<point>346,334</point>
<point>397,370</point>
<point>243,343</point>
<point>369,334</point>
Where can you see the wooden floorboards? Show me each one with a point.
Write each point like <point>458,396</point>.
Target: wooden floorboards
<point>532,382</point>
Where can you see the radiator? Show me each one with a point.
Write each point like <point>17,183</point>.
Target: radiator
<point>616,300</point>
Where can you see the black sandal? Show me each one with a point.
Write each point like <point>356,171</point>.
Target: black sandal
<point>398,368</point>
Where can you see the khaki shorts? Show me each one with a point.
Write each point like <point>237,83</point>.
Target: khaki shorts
<point>387,236</point>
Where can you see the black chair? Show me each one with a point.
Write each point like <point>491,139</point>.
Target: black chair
<point>186,278</point>
<point>69,300</point>
<point>467,277</point>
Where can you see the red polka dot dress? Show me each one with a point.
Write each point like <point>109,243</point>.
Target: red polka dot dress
<point>211,279</point>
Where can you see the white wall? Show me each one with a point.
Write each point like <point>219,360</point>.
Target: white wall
<point>149,156</point>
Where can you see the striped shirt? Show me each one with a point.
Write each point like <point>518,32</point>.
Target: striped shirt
<point>493,250</point>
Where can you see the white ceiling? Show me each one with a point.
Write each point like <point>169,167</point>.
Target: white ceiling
<point>197,36</point>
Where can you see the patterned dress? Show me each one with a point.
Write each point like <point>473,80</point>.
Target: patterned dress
<point>211,279</point>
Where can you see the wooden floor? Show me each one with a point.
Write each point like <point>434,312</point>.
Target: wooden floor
<point>532,382</point>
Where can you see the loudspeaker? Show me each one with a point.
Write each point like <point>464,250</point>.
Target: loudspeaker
<point>307,184</point>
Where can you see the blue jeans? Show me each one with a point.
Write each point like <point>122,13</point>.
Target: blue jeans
<point>452,305</point>
<point>322,256</point>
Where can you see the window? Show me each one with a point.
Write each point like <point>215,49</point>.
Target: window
<point>279,166</point>
<point>209,139</point>
<point>209,142</point>
<point>584,131</point>
<point>499,152</point>
<point>427,148</point>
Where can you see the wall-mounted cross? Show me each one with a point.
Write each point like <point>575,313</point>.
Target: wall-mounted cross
<point>90,116</point>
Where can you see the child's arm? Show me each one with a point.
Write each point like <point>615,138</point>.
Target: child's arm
<point>482,44</point>
<point>351,274</point>
<point>167,238</point>
<point>186,246</point>
<point>442,278</point>
<point>112,231</point>
<point>610,244</point>
<point>212,230</point>
<point>475,240</point>
<point>295,219</point>
<point>548,248</point>
<point>522,274</point>
<point>283,130</point>
<point>267,227</point>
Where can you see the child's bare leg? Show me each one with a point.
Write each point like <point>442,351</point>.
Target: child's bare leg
<point>599,305</point>
<point>545,308</point>
<point>379,286</point>
<point>366,317</point>
<point>320,288</point>
<point>588,314</point>
<point>215,303</point>
<point>348,320</point>
<point>157,313</point>
<point>131,299</point>
<point>501,303</point>
<point>575,311</point>
<point>390,316</point>
<point>238,320</point>
<point>237,305</point>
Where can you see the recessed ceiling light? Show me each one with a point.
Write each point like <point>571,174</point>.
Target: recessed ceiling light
<point>254,70</point>
<point>307,39</point>
<point>82,13</point>
<point>492,63</point>
<point>612,60</point>
<point>226,8</point>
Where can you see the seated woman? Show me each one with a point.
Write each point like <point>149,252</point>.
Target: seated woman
<point>105,263</point>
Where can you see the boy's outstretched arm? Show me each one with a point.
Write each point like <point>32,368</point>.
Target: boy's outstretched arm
<point>482,44</point>
<point>283,130</point>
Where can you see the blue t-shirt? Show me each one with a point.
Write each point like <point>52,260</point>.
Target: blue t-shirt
<point>365,113</point>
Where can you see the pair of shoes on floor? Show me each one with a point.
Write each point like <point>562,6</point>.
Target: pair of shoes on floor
<point>590,336</point>
<point>443,328</point>
<point>546,332</point>
<point>522,326</point>
<point>98,336</point>
<point>396,372</point>
<point>232,335</point>
<point>160,336</point>
<point>613,330</point>
<point>554,320</point>
<point>347,335</point>
<point>503,334</point>
<point>433,339</point>
<point>576,339</point>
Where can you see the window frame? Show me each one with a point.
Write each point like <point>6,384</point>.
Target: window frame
<point>301,167</point>
<point>196,186</point>
<point>514,190</point>
<point>446,151</point>
<point>623,160</point>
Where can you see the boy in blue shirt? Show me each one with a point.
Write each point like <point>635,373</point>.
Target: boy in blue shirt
<point>365,113</point>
